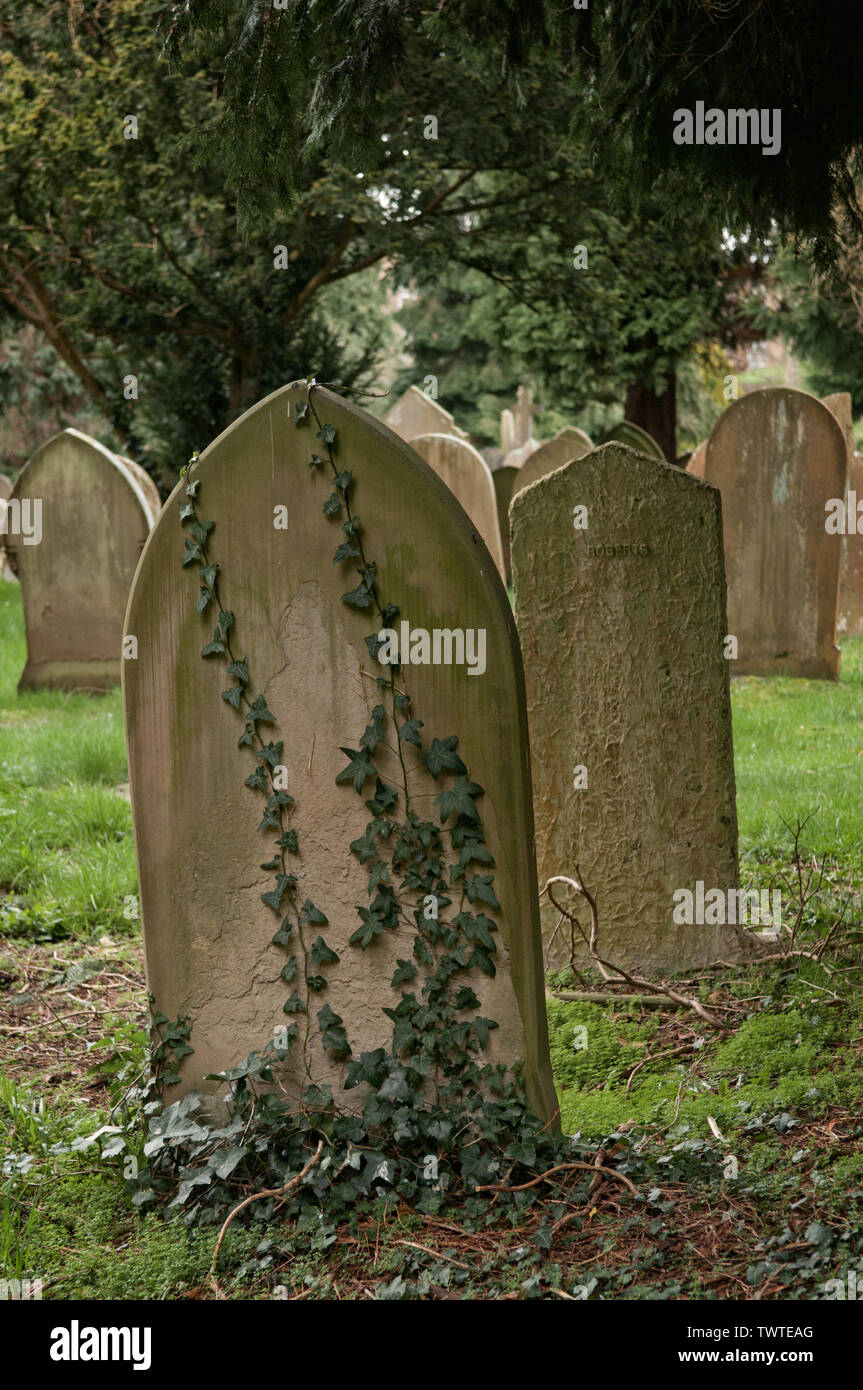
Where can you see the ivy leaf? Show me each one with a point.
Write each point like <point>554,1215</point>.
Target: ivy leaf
<point>333,505</point>
<point>301,412</point>
<point>226,620</point>
<point>383,800</point>
<point>379,874</point>
<point>283,935</point>
<point>458,798</point>
<point>186,511</point>
<point>258,780</point>
<point>358,770</point>
<point>192,488</point>
<point>389,613</point>
<point>346,551</point>
<point>201,529</point>
<point>482,960</point>
<point>342,481</point>
<point>316,983</point>
<point>333,1036</point>
<point>409,732</point>
<point>374,644</point>
<point>479,889</point>
<point>288,970</point>
<point>247,737</point>
<point>271,752</point>
<point>321,954</point>
<point>208,574</point>
<point>240,671</point>
<point>191,553</point>
<point>357,598</point>
<point>405,972</point>
<point>475,852</point>
<point>482,1027</point>
<point>294,1005</point>
<point>204,600</point>
<point>233,696</point>
<point>214,648</point>
<point>371,928</point>
<point>442,755</point>
<point>327,433</point>
<point>289,841</point>
<point>273,899</point>
<point>374,732</point>
<point>365,847</point>
<point>272,864</point>
<point>316,461</point>
<point>259,713</point>
<point>310,913</point>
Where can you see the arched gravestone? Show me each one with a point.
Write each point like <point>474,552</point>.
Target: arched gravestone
<point>777,457</point>
<point>95,517</point>
<point>5,494</point>
<point>469,478</point>
<point>569,443</point>
<point>207,932</point>
<point>621,623</point>
<point>635,437</point>
<point>504,481</point>
<point>850,623</point>
<point>415,413</point>
<point>148,487</point>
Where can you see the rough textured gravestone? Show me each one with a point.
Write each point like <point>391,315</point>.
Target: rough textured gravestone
<point>777,457</point>
<point>695,466</point>
<point>569,443</point>
<point>635,437</point>
<point>469,478</point>
<point>415,413</point>
<point>5,494</point>
<point>207,932</point>
<point>76,580</point>
<point>621,626</point>
<point>504,481</point>
<point>850,622</point>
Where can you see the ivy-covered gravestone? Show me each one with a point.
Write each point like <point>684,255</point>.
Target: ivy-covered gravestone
<point>77,521</point>
<point>620,600</point>
<point>329,772</point>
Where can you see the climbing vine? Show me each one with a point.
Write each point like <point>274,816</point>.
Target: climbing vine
<point>438,1119</point>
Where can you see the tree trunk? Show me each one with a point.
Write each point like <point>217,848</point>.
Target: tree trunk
<point>655,414</point>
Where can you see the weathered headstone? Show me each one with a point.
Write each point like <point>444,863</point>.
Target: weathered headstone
<point>76,571</point>
<point>777,457</point>
<point>415,413</point>
<point>469,478</point>
<point>504,481</point>
<point>515,458</point>
<point>5,494</point>
<point>635,437</point>
<point>207,931</point>
<point>620,603</point>
<point>148,487</point>
<point>569,443</point>
<point>850,623</point>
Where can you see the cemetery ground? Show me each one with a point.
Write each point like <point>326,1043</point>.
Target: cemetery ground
<point>675,1104</point>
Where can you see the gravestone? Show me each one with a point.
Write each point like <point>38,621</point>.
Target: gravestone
<point>516,458</point>
<point>504,481</point>
<point>415,413</point>
<point>621,615</point>
<point>695,466</point>
<point>850,623</point>
<point>569,443</point>
<point>207,932</point>
<point>95,517</point>
<point>469,478</point>
<point>777,457</point>
<point>635,437</point>
<point>5,494</point>
<point>148,487</point>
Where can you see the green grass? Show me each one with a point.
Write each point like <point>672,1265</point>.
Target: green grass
<point>67,861</point>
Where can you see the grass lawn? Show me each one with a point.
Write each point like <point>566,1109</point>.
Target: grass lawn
<point>744,1141</point>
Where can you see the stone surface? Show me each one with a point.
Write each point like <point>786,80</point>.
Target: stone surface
<point>415,413</point>
<point>75,582</point>
<point>569,443</point>
<point>635,437</point>
<point>207,935</point>
<point>695,466</point>
<point>5,494</point>
<point>850,623</point>
<point>469,478</point>
<point>517,457</point>
<point>622,626</point>
<point>777,456</point>
<point>504,481</point>
<point>148,487</point>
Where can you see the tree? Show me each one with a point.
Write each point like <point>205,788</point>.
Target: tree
<point>639,64</point>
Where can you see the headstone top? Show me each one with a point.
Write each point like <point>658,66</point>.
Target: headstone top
<point>469,478</point>
<point>416,413</point>
<point>569,443</point>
